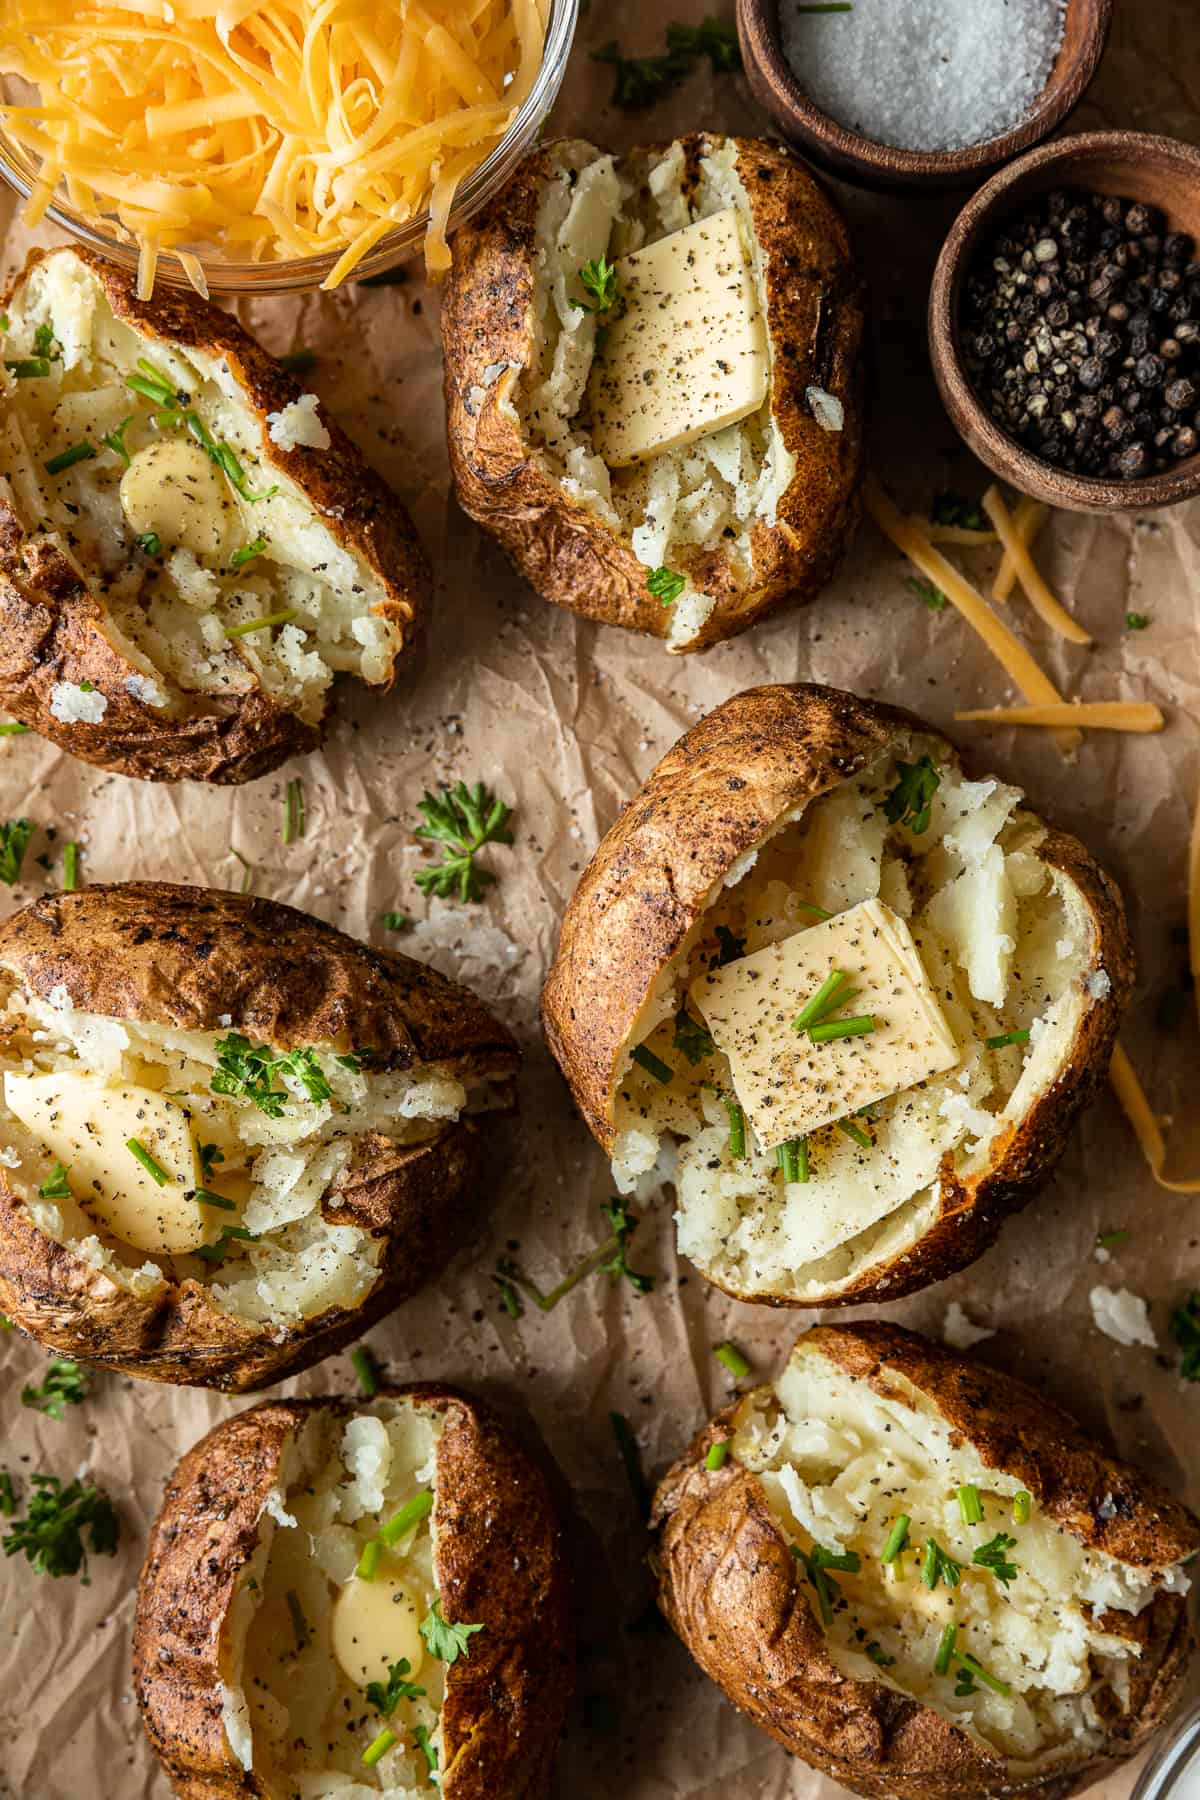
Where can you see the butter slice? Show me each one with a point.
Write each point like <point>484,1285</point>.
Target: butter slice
<point>685,351</point>
<point>787,1085</point>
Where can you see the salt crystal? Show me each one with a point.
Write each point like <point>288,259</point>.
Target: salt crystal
<point>925,74</point>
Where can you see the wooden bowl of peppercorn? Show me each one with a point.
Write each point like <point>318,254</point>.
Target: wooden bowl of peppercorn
<point>1064,322</point>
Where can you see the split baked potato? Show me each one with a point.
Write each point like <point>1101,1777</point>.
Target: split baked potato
<point>922,1578</point>
<point>795,834</point>
<point>744,516</point>
<point>230,1137</point>
<point>190,549</point>
<point>345,1601</point>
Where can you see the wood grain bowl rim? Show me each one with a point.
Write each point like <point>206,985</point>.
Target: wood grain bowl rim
<point>873,164</point>
<point>1070,161</point>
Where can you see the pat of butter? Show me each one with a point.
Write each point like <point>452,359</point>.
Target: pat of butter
<point>375,1624</point>
<point>787,1085</point>
<point>86,1122</point>
<point>685,350</point>
<point>172,490</point>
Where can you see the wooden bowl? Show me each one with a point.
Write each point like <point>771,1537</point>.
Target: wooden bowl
<point>1160,172</point>
<point>869,164</point>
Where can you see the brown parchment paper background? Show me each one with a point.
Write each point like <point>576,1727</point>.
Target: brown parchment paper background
<point>565,719</point>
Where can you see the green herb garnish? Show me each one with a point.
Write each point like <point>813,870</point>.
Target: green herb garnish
<point>717,1454</point>
<point>293,811</point>
<point>599,281</point>
<point>927,593</point>
<point>115,440</point>
<point>815,1563</point>
<point>13,728</point>
<point>55,1186</point>
<point>693,1039</point>
<point>66,1384</point>
<point>8,1495</point>
<point>792,1158</point>
<point>396,921</point>
<point>855,1133</point>
<point>465,819</point>
<point>51,1533</point>
<point>367,1565</point>
<point>70,861</point>
<point>14,841</point>
<point>1022,1507</point>
<point>824,1001</point>
<point>66,459</point>
<point>666,585</point>
<point>896,1539</point>
<point>27,368</point>
<point>410,1514</point>
<point>969,1667</point>
<point>1005,1038</point>
<point>247,554</point>
<point>247,1071</point>
<point>1136,621</point>
<point>385,1699</point>
<point>653,1065</point>
<point>911,800</point>
<point>379,1746</point>
<point>731,1358</point>
<point>1185,1329</point>
<point>729,947</point>
<point>611,1256</point>
<point>877,1656</point>
<point>154,1169</point>
<point>945,1650</point>
<point>830,1030</point>
<point>443,1640</point>
<point>205,1197</point>
<point>367,1372</point>
<point>641,81</point>
<point>950,508</point>
<point>992,1556</point>
<point>149,542</point>
<point>937,1565</point>
<point>216,1253</point>
<point>970,1505</point>
<point>421,1732</point>
<point>208,1155</point>
<point>737,1129</point>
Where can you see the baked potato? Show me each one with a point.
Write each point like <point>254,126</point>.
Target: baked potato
<point>190,549</point>
<point>922,1578</point>
<point>822,1155</point>
<point>542,381</point>
<point>230,1137</point>
<point>343,1601</point>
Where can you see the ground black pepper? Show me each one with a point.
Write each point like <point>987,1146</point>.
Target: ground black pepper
<point>1080,333</point>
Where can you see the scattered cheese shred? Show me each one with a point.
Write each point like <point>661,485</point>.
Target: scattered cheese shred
<point>1132,1098</point>
<point>913,541</point>
<point>957,534</point>
<point>1043,602</point>
<point>1092,715</point>
<point>1028,520</point>
<point>263,130</point>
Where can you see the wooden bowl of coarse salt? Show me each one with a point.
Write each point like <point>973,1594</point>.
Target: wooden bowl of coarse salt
<point>907,94</point>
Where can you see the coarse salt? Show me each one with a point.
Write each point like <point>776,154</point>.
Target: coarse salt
<point>925,74</point>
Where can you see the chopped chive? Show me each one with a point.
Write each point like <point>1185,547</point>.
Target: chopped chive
<point>299,1622</point>
<point>206,1197</point>
<point>1007,1037</point>
<point>115,441</point>
<point>1022,1507</point>
<point>653,1065</point>
<point>155,390</point>
<point>666,585</point>
<point>792,1158</point>
<point>247,553</point>
<point>66,459</point>
<point>265,623</point>
<point>13,728</point>
<point>731,1357</point>
<point>737,1130</point>
<point>627,1445</point>
<point>378,1748</point>
<point>937,1565</point>
<point>26,368</point>
<point>831,1029</point>
<point>150,542</point>
<point>970,1505</point>
<point>366,1370</point>
<point>879,1656</point>
<point>822,1002</point>
<point>855,1133</point>
<point>368,1562</point>
<point>808,907</point>
<point>897,1537</point>
<point>247,869</point>
<point>70,867</point>
<point>297,361</point>
<point>1109,1240</point>
<point>981,1674</point>
<point>1136,621</point>
<point>717,1454</point>
<point>945,1650</point>
<point>410,1514</point>
<point>156,1170</point>
<point>293,811</point>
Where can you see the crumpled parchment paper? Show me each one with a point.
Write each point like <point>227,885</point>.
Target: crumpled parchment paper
<point>564,719</point>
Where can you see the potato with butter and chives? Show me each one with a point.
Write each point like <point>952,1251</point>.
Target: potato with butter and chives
<point>922,1578</point>
<point>846,999</point>
<point>230,1137</point>
<point>191,550</point>
<point>652,375</point>
<point>344,1601</point>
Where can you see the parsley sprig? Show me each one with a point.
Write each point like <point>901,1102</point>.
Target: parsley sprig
<point>612,1257</point>
<point>641,81</point>
<point>51,1535</point>
<point>993,1557</point>
<point>910,802</point>
<point>247,1070</point>
<point>598,280</point>
<point>693,1039</point>
<point>66,1384</point>
<point>465,819</point>
<point>384,1698</point>
<point>1185,1329</point>
<point>14,841</point>
<point>444,1640</point>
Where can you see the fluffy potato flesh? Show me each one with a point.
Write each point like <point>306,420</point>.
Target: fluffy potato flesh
<point>840,1463</point>
<point>305,1635</point>
<point>1007,944</point>
<point>268,1256</point>
<point>177,555</point>
<point>707,495</point>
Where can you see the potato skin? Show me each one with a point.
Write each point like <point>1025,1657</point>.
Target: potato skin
<point>500,1562</point>
<point>714,795</point>
<point>54,628</point>
<point>728,1583</point>
<point>815,315</point>
<point>189,958</point>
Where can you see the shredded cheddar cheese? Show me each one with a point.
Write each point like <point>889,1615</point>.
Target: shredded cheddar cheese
<point>265,129</point>
<point>966,535</point>
<point>1092,715</point>
<point>913,541</point>
<point>1043,602</point>
<point>1134,1104</point>
<point>1028,519</point>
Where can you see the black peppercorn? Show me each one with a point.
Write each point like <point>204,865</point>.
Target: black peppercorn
<point>1180,394</point>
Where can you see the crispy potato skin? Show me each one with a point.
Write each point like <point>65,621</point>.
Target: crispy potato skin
<point>53,628</point>
<point>500,1561</point>
<point>728,1584</point>
<point>715,795</point>
<point>188,958</point>
<point>815,317</point>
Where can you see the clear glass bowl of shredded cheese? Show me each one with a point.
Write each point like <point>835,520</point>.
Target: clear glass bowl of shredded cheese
<point>267,145</point>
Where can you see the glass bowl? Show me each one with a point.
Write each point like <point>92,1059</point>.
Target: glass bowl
<point>289,274</point>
